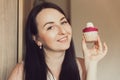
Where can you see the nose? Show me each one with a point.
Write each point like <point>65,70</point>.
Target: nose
<point>62,30</point>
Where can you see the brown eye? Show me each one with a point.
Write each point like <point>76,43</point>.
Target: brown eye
<point>64,22</point>
<point>50,27</point>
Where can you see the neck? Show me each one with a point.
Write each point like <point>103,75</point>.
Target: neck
<point>54,61</point>
<point>54,58</point>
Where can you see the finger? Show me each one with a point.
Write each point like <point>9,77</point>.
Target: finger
<point>105,48</point>
<point>84,46</point>
<point>99,43</point>
<point>96,46</point>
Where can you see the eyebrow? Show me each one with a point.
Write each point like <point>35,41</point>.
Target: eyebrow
<point>47,23</point>
<point>62,18</point>
<point>53,22</point>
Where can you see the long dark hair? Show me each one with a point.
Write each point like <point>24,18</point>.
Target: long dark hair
<point>35,67</point>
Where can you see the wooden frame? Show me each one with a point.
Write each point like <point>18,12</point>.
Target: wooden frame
<point>20,29</point>
<point>23,11</point>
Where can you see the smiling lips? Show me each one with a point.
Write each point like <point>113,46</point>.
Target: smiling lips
<point>63,39</point>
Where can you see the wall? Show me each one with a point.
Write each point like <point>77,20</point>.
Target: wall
<point>8,37</point>
<point>105,14</point>
<point>13,14</point>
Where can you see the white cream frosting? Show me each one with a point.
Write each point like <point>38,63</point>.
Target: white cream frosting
<point>89,24</point>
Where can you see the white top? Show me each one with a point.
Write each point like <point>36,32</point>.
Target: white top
<point>50,76</point>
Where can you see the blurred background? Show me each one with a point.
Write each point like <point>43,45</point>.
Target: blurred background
<point>105,14</point>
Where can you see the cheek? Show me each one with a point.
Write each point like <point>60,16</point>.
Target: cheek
<point>48,37</point>
<point>69,29</point>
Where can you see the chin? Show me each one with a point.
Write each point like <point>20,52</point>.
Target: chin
<point>64,48</point>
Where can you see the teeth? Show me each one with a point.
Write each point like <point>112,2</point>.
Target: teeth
<point>63,39</point>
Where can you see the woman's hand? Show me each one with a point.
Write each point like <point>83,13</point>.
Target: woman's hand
<point>92,56</point>
<point>95,54</point>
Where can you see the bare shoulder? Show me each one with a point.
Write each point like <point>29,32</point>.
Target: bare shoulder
<point>17,72</point>
<point>81,66</point>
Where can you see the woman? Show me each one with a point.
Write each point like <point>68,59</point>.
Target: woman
<point>49,49</point>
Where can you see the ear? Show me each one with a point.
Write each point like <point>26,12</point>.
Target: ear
<point>37,41</point>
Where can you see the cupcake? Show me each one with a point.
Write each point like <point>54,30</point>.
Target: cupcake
<point>90,32</point>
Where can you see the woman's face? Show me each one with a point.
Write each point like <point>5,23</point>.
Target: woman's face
<point>54,31</point>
